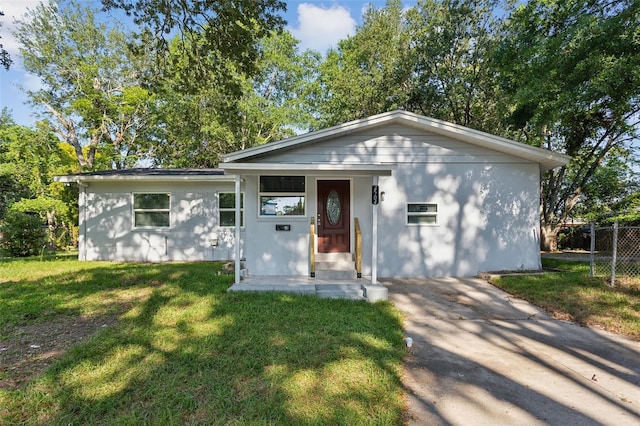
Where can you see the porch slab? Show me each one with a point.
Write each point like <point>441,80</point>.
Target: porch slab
<point>313,286</point>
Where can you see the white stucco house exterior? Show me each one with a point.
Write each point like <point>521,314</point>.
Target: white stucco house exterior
<point>431,198</point>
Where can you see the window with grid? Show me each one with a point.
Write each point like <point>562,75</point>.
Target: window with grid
<point>152,210</point>
<point>227,209</point>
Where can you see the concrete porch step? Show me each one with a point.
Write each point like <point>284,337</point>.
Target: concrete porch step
<point>359,289</point>
<point>336,266</point>
<point>336,275</point>
<point>334,257</point>
<point>340,291</point>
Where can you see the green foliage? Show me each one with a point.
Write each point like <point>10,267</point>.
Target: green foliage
<point>611,189</point>
<point>452,75</point>
<point>228,34</point>
<point>23,234</point>
<point>41,205</point>
<point>5,58</point>
<point>29,158</point>
<point>197,128</point>
<point>625,211</point>
<point>572,69</point>
<point>434,59</point>
<point>91,81</point>
<point>563,75</point>
<point>367,73</point>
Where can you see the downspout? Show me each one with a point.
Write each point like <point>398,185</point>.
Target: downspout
<point>237,229</point>
<point>82,219</point>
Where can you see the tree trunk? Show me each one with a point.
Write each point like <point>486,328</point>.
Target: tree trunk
<point>548,237</point>
<point>51,225</point>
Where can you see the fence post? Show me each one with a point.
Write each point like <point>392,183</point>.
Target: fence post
<point>592,257</point>
<point>614,253</point>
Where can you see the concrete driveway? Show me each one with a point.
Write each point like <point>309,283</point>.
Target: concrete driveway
<point>483,357</point>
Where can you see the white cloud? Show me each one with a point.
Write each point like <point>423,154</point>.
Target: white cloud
<point>320,28</point>
<point>13,9</point>
<point>32,82</point>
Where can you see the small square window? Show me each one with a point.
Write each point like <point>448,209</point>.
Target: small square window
<point>151,210</point>
<point>422,214</point>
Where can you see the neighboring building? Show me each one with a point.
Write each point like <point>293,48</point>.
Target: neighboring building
<point>452,202</point>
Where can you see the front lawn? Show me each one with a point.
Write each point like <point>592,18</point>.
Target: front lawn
<point>573,295</point>
<point>105,343</point>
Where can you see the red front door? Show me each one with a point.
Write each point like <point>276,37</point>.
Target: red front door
<point>333,216</point>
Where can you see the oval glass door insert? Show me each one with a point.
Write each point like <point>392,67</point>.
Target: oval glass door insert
<point>333,207</point>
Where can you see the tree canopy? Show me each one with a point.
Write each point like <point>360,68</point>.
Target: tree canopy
<point>5,58</point>
<point>91,84</point>
<point>572,69</point>
<point>195,79</point>
<point>228,32</point>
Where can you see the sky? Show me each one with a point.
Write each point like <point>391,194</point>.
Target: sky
<point>318,24</point>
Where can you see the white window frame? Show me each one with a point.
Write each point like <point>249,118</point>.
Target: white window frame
<point>283,194</point>
<point>135,210</point>
<point>427,213</point>
<point>231,209</point>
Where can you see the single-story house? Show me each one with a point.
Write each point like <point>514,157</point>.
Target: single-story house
<point>395,194</point>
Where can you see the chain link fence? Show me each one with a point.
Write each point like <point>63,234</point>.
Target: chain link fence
<point>615,252</point>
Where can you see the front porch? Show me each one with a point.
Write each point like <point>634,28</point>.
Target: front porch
<point>356,289</point>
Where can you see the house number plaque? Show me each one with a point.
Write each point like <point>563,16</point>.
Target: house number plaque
<point>333,207</point>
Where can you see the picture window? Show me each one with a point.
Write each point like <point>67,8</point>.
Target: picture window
<point>282,196</point>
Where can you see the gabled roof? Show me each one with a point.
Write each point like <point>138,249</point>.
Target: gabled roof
<point>547,159</point>
<point>146,174</point>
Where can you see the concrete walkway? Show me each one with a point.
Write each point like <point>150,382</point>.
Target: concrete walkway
<point>483,357</point>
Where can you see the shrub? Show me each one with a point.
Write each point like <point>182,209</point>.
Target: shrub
<point>23,234</point>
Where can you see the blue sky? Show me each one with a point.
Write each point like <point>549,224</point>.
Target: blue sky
<point>318,25</point>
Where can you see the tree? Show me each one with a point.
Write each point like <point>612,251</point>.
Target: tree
<point>5,58</point>
<point>276,100</point>
<point>29,158</point>
<point>366,74</point>
<point>92,88</point>
<point>572,69</point>
<point>23,234</point>
<point>434,59</point>
<point>452,76</point>
<point>196,128</point>
<point>610,187</point>
<point>228,32</point>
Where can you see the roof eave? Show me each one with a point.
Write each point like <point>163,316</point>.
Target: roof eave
<point>160,178</point>
<point>309,168</point>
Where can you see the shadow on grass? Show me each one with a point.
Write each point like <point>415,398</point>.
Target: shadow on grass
<point>189,352</point>
<point>576,296</point>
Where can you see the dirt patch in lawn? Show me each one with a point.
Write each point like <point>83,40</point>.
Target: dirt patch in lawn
<point>31,349</point>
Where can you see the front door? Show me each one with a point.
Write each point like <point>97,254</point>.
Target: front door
<point>333,216</point>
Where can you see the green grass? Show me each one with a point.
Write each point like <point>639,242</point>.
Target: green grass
<point>573,295</point>
<point>181,350</point>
